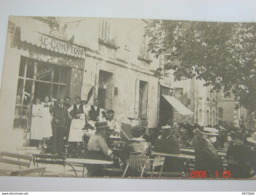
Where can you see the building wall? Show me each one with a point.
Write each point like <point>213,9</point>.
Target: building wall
<point>123,61</point>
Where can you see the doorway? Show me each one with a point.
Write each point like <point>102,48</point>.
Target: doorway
<point>143,99</point>
<point>106,89</point>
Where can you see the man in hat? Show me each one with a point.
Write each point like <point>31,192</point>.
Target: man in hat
<point>97,145</point>
<point>59,124</point>
<point>169,143</point>
<point>238,157</point>
<point>207,158</point>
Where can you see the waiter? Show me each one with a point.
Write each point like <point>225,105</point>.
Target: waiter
<point>77,113</point>
<point>96,113</point>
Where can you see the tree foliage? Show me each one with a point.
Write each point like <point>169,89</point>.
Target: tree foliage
<point>222,54</point>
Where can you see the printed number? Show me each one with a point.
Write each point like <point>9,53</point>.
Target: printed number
<point>198,174</point>
<point>226,173</point>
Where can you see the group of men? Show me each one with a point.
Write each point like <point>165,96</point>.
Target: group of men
<point>69,121</point>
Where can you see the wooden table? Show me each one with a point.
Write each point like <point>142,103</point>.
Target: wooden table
<point>182,156</point>
<point>192,151</point>
<point>82,162</point>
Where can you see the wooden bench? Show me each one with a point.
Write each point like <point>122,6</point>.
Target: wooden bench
<point>16,159</point>
<point>25,172</point>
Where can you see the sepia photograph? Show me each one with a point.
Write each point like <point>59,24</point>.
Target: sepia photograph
<point>128,98</point>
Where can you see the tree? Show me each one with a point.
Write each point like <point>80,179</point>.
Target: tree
<point>222,54</point>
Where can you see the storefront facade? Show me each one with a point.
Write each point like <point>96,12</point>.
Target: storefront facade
<point>41,63</point>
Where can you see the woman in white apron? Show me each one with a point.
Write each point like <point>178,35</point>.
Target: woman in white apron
<point>36,121</point>
<point>46,132</point>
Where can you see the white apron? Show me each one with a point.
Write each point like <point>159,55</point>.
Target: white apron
<point>76,133</point>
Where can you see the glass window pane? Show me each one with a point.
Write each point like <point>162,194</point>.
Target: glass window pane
<point>44,72</point>
<point>57,72</point>
<point>65,75</point>
<point>55,93</point>
<point>30,70</point>
<point>22,67</point>
<point>41,90</point>
<point>19,92</point>
<point>63,91</point>
<point>27,92</point>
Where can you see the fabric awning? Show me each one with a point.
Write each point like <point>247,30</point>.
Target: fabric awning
<point>183,110</point>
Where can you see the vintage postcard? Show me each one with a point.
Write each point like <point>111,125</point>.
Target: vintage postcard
<point>128,98</point>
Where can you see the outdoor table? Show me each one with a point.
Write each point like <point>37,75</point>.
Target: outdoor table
<point>82,162</point>
<point>182,156</point>
<point>190,150</point>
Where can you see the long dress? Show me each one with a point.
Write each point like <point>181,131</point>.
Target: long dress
<point>46,120</point>
<point>36,122</point>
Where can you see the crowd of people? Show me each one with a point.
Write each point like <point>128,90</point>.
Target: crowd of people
<point>68,124</point>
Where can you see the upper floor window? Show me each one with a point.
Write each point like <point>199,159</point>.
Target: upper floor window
<point>144,54</point>
<point>107,35</point>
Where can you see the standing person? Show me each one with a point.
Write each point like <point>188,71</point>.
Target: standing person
<point>207,158</point>
<point>96,113</point>
<point>36,122</point>
<point>67,102</point>
<point>59,124</point>
<point>77,114</point>
<point>47,120</point>
<point>68,105</point>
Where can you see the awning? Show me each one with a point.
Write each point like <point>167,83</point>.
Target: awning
<point>51,43</point>
<point>183,110</point>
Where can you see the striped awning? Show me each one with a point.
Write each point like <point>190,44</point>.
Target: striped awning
<point>183,110</point>
<point>51,43</point>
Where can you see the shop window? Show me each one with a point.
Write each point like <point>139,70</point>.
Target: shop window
<point>38,79</point>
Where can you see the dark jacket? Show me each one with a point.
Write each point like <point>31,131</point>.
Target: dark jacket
<point>170,145</point>
<point>239,161</point>
<point>77,111</point>
<point>207,158</point>
<point>93,114</point>
<point>60,116</point>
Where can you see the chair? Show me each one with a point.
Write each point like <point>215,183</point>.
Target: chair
<point>157,161</point>
<point>137,162</point>
<point>49,159</point>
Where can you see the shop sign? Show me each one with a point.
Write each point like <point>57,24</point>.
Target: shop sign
<point>52,44</point>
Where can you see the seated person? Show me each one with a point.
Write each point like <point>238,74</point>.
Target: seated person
<point>97,145</point>
<point>238,156</point>
<point>136,151</point>
<point>168,143</point>
<point>207,158</point>
<point>112,123</point>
